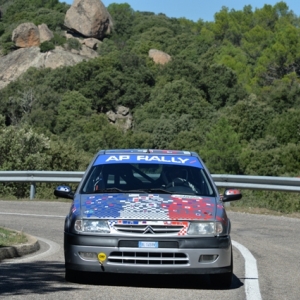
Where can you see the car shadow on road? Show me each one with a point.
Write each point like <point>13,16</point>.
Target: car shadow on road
<point>45,278</point>
<point>32,278</point>
<point>154,281</point>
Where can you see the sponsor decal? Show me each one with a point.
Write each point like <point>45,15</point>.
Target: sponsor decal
<point>148,159</point>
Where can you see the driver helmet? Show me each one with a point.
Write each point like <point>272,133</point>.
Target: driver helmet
<point>170,173</point>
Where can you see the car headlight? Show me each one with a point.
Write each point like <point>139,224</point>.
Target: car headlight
<point>99,226</point>
<point>205,228</point>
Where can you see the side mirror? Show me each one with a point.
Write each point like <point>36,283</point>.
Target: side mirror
<point>64,191</point>
<point>231,195</point>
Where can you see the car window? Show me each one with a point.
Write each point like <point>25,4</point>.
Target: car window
<point>132,176</point>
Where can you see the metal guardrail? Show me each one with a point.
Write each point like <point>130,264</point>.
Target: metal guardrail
<point>33,177</point>
<point>40,176</point>
<point>284,184</point>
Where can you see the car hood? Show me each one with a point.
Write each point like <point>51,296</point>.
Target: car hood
<point>146,206</point>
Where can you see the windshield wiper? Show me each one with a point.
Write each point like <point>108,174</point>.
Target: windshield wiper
<point>156,190</point>
<point>153,190</point>
<point>170,191</point>
<point>117,190</point>
<point>110,190</point>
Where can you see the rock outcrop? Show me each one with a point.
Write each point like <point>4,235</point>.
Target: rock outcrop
<point>159,57</point>
<point>122,117</point>
<point>91,43</point>
<point>87,20</point>
<point>45,33</point>
<point>90,18</point>
<point>18,62</point>
<point>87,52</point>
<point>26,35</point>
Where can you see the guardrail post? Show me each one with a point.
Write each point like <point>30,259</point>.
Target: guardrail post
<point>32,190</point>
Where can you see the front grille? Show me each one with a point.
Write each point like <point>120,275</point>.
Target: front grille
<point>146,229</point>
<point>148,258</point>
<point>161,244</point>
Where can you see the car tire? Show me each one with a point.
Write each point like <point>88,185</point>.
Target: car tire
<point>223,280</point>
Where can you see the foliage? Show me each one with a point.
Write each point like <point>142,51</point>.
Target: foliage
<point>73,43</point>
<point>285,127</point>
<point>6,44</point>
<point>58,39</point>
<point>47,46</point>
<point>123,17</point>
<point>71,107</point>
<point>266,157</point>
<point>249,118</point>
<point>22,148</point>
<point>222,148</point>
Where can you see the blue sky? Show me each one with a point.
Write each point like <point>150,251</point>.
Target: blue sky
<point>196,9</point>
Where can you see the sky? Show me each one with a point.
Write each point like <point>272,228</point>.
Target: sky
<point>196,9</point>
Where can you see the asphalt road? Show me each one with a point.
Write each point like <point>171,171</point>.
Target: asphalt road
<point>273,241</point>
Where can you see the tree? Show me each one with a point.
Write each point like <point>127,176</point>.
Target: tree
<point>22,149</point>
<point>282,94</point>
<point>123,17</point>
<point>262,157</point>
<point>249,118</point>
<point>220,85</point>
<point>222,149</point>
<point>285,127</point>
<point>174,100</point>
<point>281,57</point>
<point>72,108</point>
<point>95,133</point>
<point>255,41</point>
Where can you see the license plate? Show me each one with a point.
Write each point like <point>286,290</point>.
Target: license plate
<point>148,244</point>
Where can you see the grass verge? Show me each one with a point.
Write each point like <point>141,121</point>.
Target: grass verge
<point>10,237</point>
<point>261,211</point>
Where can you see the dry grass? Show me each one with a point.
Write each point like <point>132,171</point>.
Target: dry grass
<point>10,237</point>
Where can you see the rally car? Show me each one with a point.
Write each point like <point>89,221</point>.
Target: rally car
<point>148,211</point>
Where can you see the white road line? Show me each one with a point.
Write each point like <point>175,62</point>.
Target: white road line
<point>53,248</point>
<point>251,273</point>
<point>32,215</point>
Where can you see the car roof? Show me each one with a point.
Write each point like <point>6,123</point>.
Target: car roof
<point>149,151</point>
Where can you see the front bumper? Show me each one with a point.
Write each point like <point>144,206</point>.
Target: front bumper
<point>124,256</point>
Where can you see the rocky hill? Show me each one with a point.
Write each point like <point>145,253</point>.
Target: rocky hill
<point>87,21</point>
<point>86,24</point>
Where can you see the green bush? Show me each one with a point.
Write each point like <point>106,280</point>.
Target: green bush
<point>5,42</point>
<point>47,46</point>
<point>58,39</point>
<point>73,43</point>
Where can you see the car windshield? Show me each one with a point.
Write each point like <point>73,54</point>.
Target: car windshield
<point>147,178</point>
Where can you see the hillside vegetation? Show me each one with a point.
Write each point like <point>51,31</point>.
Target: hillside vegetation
<point>231,92</point>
